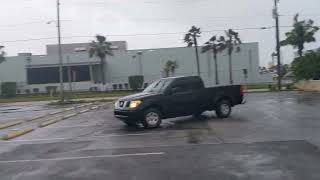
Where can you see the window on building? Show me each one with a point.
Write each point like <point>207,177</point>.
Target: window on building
<point>35,90</point>
<point>51,74</point>
<point>126,86</point>
<point>115,87</point>
<point>120,86</point>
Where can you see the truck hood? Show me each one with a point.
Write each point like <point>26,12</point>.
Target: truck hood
<point>137,96</point>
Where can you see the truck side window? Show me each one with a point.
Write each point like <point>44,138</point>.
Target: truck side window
<point>196,85</point>
<point>181,88</point>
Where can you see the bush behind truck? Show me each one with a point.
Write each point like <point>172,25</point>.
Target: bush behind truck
<point>8,89</point>
<point>136,82</point>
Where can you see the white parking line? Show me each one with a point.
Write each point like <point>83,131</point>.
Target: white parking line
<point>83,157</point>
<point>74,139</point>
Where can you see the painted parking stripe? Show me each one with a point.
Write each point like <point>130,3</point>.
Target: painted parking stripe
<point>84,157</point>
<point>71,138</point>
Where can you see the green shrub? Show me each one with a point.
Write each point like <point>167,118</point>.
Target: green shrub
<point>9,89</point>
<point>289,86</point>
<point>136,82</point>
<point>272,87</point>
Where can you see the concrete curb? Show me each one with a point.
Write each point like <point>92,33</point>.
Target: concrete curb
<point>16,133</point>
<point>44,124</point>
<point>10,124</point>
<point>47,123</point>
<point>94,107</point>
<point>69,116</point>
<point>83,111</point>
<point>35,118</point>
<point>57,112</point>
<point>68,109</point>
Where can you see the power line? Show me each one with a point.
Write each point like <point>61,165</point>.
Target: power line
<point>145,34</point>
<point>170,19</point>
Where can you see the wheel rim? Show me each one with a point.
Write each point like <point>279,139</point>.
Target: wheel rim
<point>225,109</point>
<point>152,118</point>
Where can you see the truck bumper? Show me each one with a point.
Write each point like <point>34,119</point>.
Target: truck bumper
<point>128,115</point>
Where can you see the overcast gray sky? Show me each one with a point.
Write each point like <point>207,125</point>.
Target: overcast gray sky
<point>26,19</point>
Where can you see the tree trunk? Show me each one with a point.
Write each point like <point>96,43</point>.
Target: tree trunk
<point>197,54</point>
<point>216,66</point>
<point>102,69</point>
<point>230,69</point>
<point>300,51</point>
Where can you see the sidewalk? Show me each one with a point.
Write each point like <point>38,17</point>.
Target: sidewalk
<point>47,102</point>
<point>256,90</point>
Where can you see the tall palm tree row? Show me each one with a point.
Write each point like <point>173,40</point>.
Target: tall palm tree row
<point>231,42</point>
<point>2,54</point>
<point>302,32</point>
<point>216,45</point>
<point>101,49</point>
<point>191,39</point>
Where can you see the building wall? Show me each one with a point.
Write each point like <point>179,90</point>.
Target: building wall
<point>120,66</point>
<point>126,63</point>
<point>308,85</point>
<point>72,48</point>
<point>13,70</point>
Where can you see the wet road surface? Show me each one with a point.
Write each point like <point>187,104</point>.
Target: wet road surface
<point>273,136</point>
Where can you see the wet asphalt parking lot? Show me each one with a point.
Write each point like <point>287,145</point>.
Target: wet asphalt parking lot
<point>272,136</point>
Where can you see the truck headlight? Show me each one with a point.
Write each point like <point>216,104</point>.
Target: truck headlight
<point>134,104</point>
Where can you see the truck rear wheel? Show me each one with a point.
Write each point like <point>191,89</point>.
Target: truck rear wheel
<point>151,118</point>
<point>223,109</point>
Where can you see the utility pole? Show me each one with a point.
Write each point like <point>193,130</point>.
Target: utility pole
<point>276,17</point>
<point>60,53</point>
<point>69,74</point>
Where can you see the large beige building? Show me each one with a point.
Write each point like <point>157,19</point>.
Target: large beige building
<point>33,73</point>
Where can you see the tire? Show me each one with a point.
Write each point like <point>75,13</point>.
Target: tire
<point>223,109</point>
<point>151,118</point>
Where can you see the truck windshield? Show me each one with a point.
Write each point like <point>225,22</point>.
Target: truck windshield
<point>158,86</point>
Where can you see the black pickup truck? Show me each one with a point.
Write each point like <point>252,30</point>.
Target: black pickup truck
<point>174,97</point>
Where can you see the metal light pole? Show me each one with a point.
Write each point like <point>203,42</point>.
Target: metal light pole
<point>60,53</point>
<point>276,17</point>
<point>69,74</point>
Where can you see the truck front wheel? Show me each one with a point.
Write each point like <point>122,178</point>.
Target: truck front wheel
<point>151,118</point>
<point>223,109</point>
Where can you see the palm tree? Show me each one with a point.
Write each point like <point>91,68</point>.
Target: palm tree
<point>216,45</point>
<point>191,39</point>
<point>302,32</point>
<point>101,48</point>
<point>2,55</point>
<point>232,41</point>
<point>170,67</point>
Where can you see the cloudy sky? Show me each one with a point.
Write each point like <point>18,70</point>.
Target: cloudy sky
<point>131,20</point>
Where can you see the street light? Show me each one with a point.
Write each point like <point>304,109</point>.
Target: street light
<point>59,51</point>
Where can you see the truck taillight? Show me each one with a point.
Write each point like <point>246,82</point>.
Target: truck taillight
<point>242,87</point>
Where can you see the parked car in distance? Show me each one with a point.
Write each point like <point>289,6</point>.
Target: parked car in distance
<point>176,96</point>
